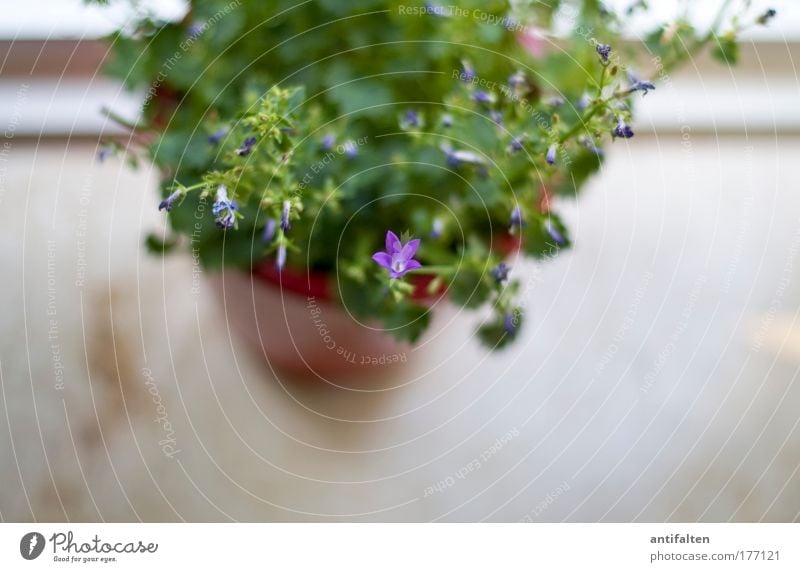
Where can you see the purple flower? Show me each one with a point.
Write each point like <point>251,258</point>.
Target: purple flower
<point>496,116</point>
<point>623,130</point>
<point>169,202</point>
<point>583,102</point>
<point>467,72</point>
<point>455,157</point>
<point>280,260</point>
<point>591,146</point>
<point>224,209</point>
<point>287,207</point>
<point>196,29</point>
<point>604,50</point>
<point>515,221</point>
<point>410,119</point>
<point>500,272</point>
<point>328,142</point>
<point>639,85</point>
<point>510,324</point>
<point>515,145</point>
<point>551,154</point>
<point>555,101</point>
<point>483,96</point>
<point>246,147</point>
<point>217,136</point>
<point>517,80</point>
<point>350,150</point>
<point>447,120</point>
<point>551,229</point>
<point>398,258</point>
<point>104,153</point>
<point>435,9</point>
<point>269,230</point>
<point>437,227</point>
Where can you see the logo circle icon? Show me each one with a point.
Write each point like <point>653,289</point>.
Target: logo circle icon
<point>31,545</point>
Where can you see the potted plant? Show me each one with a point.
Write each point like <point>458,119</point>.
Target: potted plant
<point>358,164</point>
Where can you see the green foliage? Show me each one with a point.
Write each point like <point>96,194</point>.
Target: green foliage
<point>383,115</point>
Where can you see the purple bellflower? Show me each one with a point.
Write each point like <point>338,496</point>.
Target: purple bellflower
<point>224,209</point>
<point>639,85</point>
<point>328,142</point>
<point>557,237</point>
<point>551,154</point>
<point>500,272</point>
<point>515,221</point>
<point>398,257</point>
<point>456,157</point>
<point>280,260</point>
<point>447,120</point>
<point>410,119</point>
<point>437,228</point>
<point>269,230</point>
<point>623,130</point>
<point>483,96</point>
<point>604,51</point>
<point>515,145</point>
<point>467,72</point>
<point>287,208</point>
<point>510,324</point>
<point>246,147</point>
<point>350,149</point>
<point>217,136</point>
<point>170,201</point>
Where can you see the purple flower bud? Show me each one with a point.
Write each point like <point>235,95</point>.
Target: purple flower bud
<point>437,227</point>
<point>551,229</point>
<point>604,51</point>
<point>583,102</point>
<point>169,202</point>
<point>467,72</point>
<point>517,80</point>
<point>287,207</point>
<point>455,158</point>
<point>328,142</point>
<point>510,324</point>
<point>435,9</point>
<point>410,119</point>
<point>496,116</point>
<point>269,230</point>
<point>483,97</point>
<point>623,130</point>
<point>555,101</point>
<point>246,147</point>
<point>350,149</point>
<point>196,29</point>
<point>217,136</point>
<point>500,272</point>
<point>447,120</point>
<point>551,154</point>
<point>104,153</point>
<point>515,221</point>
<point>515,145</point>
<point>280,260</point>
<point>224,209</point>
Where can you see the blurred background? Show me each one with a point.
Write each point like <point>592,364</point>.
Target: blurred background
<point>656,378</point>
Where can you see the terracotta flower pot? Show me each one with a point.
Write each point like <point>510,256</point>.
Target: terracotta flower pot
<point>291,320</point>
<point>294,320</point>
